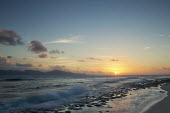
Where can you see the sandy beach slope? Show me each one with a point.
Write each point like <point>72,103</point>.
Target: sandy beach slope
<point>164,105</point>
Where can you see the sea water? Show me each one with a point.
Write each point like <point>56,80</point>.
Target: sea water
<point>17,92</point>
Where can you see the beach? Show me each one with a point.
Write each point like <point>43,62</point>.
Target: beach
<point>163,105</point>
<point>133,97</point>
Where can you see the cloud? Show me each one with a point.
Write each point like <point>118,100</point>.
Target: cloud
<point>9,37</point>
<point>5,64</point>
<point>57,67</point>
<point>73,39</point>
<point>40,65</point>
<point>166,68</point>
<point>4,61</point>
<point>24,65</point>
<point>37,47</point>
<point>164,35</point>
<point>56,52</point>
<point>114,60</point>
<point>43,56</point>
<point>81,60</point>
<point>9,57</point>
<point>147,48</point>
<point>95,72</point>
<point>62,41</point>
<point>92,58</point>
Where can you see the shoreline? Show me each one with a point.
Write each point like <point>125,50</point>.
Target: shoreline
<point>104,102</point>
<point>163,105</point>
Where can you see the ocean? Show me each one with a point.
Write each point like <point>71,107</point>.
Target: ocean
<point>18,92</point>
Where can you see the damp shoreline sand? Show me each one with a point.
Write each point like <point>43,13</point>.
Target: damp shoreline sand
<point>163,105</point>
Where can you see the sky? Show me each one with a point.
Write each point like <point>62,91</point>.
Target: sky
<point>117,37</point>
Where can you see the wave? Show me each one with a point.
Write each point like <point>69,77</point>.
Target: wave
<point>47,86</point>
<point>58,97</point>
<point>16,79</point>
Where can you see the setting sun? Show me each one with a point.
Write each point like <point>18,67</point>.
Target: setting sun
<point>116,73</point>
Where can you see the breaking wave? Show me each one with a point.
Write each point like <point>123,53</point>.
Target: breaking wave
<point>58,97</point>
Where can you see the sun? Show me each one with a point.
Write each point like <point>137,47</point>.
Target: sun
<point>115,70</point>
<point>116,73</point>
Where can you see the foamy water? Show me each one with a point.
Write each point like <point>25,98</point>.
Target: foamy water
<point>21,92</point>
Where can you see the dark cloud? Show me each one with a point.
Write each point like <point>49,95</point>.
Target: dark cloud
<point>4,61</point>
<point>9,57</point>
<point>24,65</point>
<point>94,72</point>
<point>40,65</point>
<point>43,56</point>
<point>9,37</point>
<point>81,60</point>
<point>92,58</point>
<point>114,60</point>
<point>57,67</point>
<point>37,47</point>
<point>5,64</point>
<point>56,52</point>
<point>166,68</point>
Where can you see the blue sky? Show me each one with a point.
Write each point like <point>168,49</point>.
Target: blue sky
<point>128,30</point>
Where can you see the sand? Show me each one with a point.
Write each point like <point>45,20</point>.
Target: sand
<point>164,105</point>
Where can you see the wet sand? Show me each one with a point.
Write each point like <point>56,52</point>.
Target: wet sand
<point>164,105</point>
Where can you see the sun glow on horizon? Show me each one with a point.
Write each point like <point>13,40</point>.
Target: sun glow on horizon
<point>116,73</point>
<point>115,70</point>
